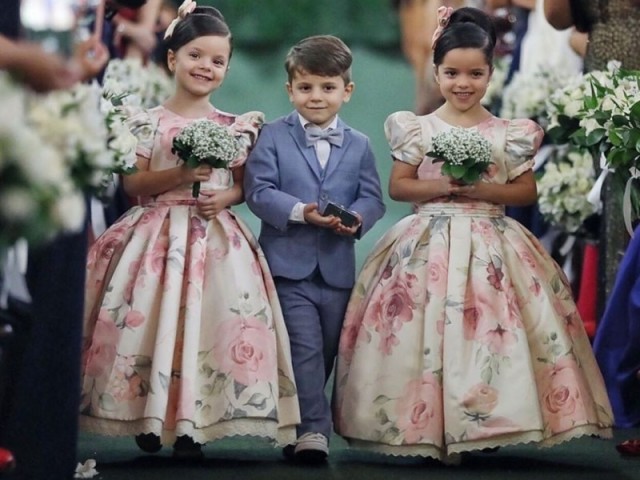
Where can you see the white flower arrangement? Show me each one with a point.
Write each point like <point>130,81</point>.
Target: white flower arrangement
<point>527,94</point>
<point>206,141</point>
<point>37,198</point>
<point>498,77</point>
<point>145,86</point>
<point>465,153</point>
<point>567,178</point>
<point>601,111</point>
<point>71,121</point>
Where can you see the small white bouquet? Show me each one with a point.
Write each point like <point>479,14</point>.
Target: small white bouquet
<point>563,187</point>
<point>465,153</point>
<point>208,142</point>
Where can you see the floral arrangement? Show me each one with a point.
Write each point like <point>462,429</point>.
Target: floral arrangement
<point>493,95</point>
<point>71,122</point>
<point>37,197</point>
<point>465,153</point>
<point>208,142</point>
<point>527,94</point>
<point>143,86</point>
<point>601,111</point>
<point>120,141</point>
<point>567,179</point>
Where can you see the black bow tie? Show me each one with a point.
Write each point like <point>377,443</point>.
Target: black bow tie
<point>333,136</point>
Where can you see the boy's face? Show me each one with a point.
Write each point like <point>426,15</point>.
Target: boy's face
<point>318,99</point>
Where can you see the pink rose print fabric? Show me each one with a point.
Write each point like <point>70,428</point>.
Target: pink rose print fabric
<point>183,332</point>
<point>461,333</point>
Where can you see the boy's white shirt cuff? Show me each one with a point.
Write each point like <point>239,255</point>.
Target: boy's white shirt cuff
<point>297,213</point>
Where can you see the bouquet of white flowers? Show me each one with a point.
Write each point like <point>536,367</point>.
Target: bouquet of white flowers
<point>465,153</point>
<point>563,187</point>
<point>208,142</point>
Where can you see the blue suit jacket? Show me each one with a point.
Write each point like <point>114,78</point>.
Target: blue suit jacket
<point>617,342</point>
<point>282,171</point>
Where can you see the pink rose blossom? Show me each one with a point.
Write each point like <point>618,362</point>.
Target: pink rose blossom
<point>480,400</point>
<point>561,395</point>
<point>243,350</point>
<point>134,319</point>
<point>419,410</point>
<point>102,352</point>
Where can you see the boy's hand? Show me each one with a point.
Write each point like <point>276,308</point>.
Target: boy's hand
<point>212,202</point>
<point>314,217</point>
<point>343,230</point>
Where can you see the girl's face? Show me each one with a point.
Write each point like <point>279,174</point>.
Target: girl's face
<point>463,77</point>
<point>200,65</point>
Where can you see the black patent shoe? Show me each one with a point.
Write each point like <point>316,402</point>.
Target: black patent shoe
<point>185,448</point>
<point>149,442</point>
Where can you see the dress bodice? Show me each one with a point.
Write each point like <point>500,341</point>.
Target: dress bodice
<point>514,144</point>
<point>161,126</point>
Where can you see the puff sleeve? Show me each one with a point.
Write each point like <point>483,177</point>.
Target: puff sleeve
<point>246,128</point>
<point>143,125</point>
<point>523,138</point>
<point>404,134</point>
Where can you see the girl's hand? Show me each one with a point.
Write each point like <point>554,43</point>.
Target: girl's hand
<point>475,190</point>
<point>446,186</point>
<point>201,173</point>
<point>313,216</point>
<point>212,202</point>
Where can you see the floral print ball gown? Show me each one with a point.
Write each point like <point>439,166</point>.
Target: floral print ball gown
<point>183,331</point>
<point>461,333</point>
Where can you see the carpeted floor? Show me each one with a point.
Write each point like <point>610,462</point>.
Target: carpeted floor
<point>250,459</point>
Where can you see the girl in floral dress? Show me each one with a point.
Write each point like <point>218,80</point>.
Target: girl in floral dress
<point>461,332</point>
<point>184,337</point>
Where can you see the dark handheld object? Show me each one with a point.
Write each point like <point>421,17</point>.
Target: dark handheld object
<point>347,217</point>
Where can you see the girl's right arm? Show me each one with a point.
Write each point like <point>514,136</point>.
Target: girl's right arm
<point>146,183</point>
<point>405,186</point>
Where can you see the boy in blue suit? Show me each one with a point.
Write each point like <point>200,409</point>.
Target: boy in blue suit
<point>300,163</point>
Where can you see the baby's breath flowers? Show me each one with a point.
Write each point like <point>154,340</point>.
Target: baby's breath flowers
<point>465,153</point>
<point>208,142</point>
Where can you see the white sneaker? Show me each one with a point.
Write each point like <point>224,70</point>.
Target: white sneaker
<point>312,448</point>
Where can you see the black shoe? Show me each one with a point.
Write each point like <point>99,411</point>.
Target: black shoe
<point>185,448</point>
<point>289,451</point>
<point>149,442</point>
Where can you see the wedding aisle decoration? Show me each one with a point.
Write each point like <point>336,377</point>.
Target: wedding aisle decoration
<point>464,153</point>
<point>139,85</point>
<point>493,96</point>
<point>37,196</point>
<point>527,94</point>
<point>600,111</point>
<point>566,179</point>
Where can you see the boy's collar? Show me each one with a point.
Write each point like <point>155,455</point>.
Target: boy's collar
<point>304,122</point>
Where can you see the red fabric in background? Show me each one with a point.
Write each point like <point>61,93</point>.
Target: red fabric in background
<point>587,297</point>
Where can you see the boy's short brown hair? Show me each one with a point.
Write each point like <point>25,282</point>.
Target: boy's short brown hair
<point>323,55</point>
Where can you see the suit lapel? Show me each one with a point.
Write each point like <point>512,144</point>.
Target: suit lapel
<point>309,153</point>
